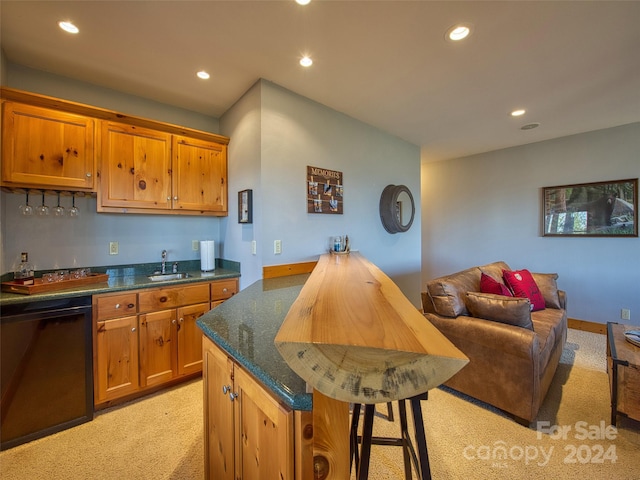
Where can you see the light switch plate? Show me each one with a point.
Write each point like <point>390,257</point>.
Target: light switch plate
<point>195,245</point>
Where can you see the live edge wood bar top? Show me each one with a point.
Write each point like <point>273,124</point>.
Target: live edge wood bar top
<point>353,336</point>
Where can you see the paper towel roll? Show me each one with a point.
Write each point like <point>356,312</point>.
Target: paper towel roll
<point>207,255</point>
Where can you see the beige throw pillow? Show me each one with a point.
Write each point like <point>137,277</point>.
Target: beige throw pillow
<point>498,308</point>
<point>547,285</point>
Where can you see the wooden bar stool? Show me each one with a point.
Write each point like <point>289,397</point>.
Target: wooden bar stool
<point>360,448</point>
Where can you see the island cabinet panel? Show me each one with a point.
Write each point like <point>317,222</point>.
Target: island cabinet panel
<point>218,414</point>
<point>249,434</point>
<point>199,175</point>
<point>265,432</point>
<point>117,358</point>
<point>44,148</point>
<point>135,167</point>
<point>158,347</point>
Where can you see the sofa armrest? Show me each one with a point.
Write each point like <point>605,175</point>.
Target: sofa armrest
<point>562,295</point>
<point>427,303</point>
<point>517,341</point>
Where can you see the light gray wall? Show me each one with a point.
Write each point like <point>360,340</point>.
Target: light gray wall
<point>296,132</point>
<point>487,207</point>
<point>65,242</point>
<point>242,124</point>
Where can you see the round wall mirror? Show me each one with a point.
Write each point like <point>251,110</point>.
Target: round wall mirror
<point>396,208</point>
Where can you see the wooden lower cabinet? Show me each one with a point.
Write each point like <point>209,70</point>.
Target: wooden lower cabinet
<point>145,339</point>
<point>190,339</point>
<point>248,433</point>
<point>117,358</point>
<point>158,347</point>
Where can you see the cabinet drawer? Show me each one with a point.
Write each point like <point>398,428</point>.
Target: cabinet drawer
<point>112,306</point>
<point>223,289</point>
<point>153,300</point>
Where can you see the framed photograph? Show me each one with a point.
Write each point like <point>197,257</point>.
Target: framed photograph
<point>601,209</point>
<point>245,206</point>
<point>325,191</point>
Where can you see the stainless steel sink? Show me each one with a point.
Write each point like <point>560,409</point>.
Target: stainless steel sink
<point>167,276</point>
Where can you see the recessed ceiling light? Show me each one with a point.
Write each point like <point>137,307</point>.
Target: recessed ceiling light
<point>458,32</point>
<point>303,2</point>
<point>306,61</point>
<point>518,113</point>
<point>530,126</point>
<point>203,75</point>
<point>68,27</point>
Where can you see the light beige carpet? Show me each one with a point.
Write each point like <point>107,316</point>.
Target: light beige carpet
<point>160,437</point>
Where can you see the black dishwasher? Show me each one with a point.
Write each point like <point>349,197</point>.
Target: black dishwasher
<point>46,368</point>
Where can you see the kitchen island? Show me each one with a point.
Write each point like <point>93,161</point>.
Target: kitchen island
<point>344,332</point>
<point>250,391</point>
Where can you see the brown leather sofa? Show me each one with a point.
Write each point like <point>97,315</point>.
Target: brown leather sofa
<point>511,365</point>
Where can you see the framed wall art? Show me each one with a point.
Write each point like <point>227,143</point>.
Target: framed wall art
<point>325,191</point>
<point>245,206</point>
<point>601,209</point>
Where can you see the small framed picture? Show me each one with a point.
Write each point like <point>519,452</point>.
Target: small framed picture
<point>245,206</point>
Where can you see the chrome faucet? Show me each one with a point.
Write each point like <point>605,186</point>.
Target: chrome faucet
<point>164,261</point>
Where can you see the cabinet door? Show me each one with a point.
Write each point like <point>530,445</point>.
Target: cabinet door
<point>158,347</point>
<point>218,414</point>
<point>190,338</point>
<point>264,432</point>
<point>199,175</point>
<point>46,148</point>
<point>135,167</point>
<point>116,358</point>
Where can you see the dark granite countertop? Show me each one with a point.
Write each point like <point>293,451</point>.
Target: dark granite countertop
<point>128,277</point>
<point>245,327</point>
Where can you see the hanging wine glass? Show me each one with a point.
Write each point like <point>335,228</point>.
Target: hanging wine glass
<point>73,211</point>
<point>58,211</point>
<point>42,210</point>
<point>26,209</point>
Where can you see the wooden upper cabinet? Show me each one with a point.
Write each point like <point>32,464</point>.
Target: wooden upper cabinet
<point>45,148</point>
<point>135,167</point>
<point>144,170</point>
<point>199,175</point>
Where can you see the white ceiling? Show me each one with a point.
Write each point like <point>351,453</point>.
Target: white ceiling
<point>575,66</point>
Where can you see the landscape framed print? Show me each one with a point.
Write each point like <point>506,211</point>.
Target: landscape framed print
<point>601,209</point>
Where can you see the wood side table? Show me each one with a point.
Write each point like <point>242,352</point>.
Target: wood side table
<point>623,367</point>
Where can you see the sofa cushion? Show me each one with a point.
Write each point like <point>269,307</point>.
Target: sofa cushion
<point>523,285</point>
<point>547,284</point>
<point>490,285</point>
<point>448,293</point>
<point>499,308</point>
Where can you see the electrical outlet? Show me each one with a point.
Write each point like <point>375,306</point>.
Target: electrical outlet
<point>625,314</point>
<point>277,247</point>
<point>195,245</point>
<point>254,247</point>
<point>113,248</point>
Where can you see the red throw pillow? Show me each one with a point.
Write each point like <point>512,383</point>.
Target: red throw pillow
<point>523,285</point>
<point>489,284</point>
